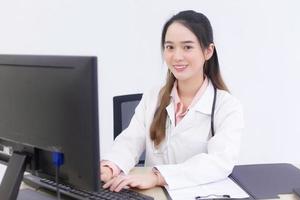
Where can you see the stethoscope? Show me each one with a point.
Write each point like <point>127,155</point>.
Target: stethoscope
<point>213,112</point>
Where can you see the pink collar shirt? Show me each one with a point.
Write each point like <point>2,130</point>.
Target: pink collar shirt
<point>180,111</point>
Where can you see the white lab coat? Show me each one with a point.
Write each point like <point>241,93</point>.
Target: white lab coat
<point>189,155</point>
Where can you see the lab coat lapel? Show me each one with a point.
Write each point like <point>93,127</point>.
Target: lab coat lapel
<point>171,113</point>
<point>185,123</point>
<point>204,105</point>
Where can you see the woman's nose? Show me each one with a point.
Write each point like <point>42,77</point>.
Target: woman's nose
<point>178,55</point>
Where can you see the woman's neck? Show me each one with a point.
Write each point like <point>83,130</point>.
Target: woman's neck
<point>189,88</point>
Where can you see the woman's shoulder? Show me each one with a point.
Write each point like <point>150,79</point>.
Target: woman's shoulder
<point>148,103</point>
<point>229,105</point>
<point>225,94</point>
<point>150,97</point>
<point>152,92</point>
<point>225,98</point>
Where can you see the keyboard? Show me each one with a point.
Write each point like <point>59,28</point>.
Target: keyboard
<point>103,194</point>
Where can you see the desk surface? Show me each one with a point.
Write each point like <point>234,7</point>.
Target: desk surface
<point>156,192</point>
<point>159,194</point>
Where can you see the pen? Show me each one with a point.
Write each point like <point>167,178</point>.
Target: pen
<point>213,196</point>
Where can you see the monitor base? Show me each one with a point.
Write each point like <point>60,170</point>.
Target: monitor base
<point>13,176</point>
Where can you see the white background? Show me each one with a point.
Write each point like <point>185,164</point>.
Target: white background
<point>257,42</point>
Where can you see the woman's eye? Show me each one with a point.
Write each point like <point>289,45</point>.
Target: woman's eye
<point>188,47</point>
<point>169,47</point>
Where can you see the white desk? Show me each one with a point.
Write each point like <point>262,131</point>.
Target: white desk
<point>158,192</point>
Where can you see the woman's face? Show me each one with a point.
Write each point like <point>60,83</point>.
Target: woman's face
<point>183,53</point>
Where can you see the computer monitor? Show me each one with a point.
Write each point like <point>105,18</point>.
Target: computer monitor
<point>49,104</point>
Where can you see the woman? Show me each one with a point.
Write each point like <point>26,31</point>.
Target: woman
<point>191,127</point>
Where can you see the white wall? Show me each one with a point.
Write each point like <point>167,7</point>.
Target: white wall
<point>257,42</point>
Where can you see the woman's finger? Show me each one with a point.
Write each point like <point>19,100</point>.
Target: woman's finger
<point>124,183</point>
<point>109,183</point>
<point>117,182</point>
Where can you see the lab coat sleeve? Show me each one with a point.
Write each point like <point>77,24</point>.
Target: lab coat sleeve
<point>130,144</point>
<point>222,151</point>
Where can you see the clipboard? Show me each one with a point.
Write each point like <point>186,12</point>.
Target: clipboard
<point>225,189</point>
<point>266,181</point>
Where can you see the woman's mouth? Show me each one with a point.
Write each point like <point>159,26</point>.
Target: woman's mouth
<point>180,68</point>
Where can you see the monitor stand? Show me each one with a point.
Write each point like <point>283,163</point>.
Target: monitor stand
<point>13,176</point>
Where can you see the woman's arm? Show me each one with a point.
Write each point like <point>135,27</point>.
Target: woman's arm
<point>130,144</point>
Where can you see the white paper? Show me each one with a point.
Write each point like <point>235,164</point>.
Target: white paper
<point>223,187</point>
<point>2,171</point>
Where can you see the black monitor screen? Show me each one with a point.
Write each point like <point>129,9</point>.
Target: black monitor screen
<point>50,103</point>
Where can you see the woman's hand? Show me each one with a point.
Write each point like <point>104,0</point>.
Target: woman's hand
<point>108,170</point>
<point>141,181</point>
<point>106,173</point>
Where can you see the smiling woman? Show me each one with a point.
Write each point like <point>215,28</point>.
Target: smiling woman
<point>185,59</point>
<point>183,54</point>
<point>190,128</point>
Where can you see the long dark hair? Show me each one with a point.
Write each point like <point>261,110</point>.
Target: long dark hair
<point>198,24</point>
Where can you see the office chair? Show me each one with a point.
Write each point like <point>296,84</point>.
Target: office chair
<point>123,108</point>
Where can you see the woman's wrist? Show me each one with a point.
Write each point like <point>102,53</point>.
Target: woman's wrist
<point>160,179</point>
<point>115,170</point>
